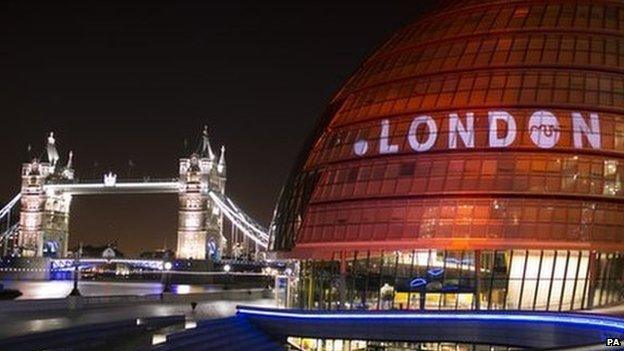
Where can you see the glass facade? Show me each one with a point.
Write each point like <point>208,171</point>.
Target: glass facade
<point>547,280</point>
<point>486,132</point>
<point>311,344</point>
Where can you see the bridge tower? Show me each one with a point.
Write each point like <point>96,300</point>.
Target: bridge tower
<point>200,221</point>
<point>30,238</point>
<point>44,216</point>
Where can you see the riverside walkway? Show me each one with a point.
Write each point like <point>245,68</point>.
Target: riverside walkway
<point>31,316</point>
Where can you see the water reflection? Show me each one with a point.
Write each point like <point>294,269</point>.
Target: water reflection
<point>59,289</point>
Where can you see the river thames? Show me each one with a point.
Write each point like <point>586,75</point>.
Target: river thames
<point>61,288</point>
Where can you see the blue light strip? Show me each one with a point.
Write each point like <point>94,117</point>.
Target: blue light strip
<point>418,282</point>
<point>592,320</point>
<point>435,272</point>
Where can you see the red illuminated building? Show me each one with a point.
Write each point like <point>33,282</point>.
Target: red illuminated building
<point>475,160</point>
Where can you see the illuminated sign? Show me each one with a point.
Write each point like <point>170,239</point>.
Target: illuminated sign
<point>418,282</point>
<point>542,127</point>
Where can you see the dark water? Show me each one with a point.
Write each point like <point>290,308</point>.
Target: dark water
<point>61,288</point>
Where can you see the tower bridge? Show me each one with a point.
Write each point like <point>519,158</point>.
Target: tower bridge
<point>48,187</point>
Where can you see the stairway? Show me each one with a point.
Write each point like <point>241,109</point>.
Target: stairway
<point>232,333</point>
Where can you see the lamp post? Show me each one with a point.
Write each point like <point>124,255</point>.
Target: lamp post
<point>167,277</point>
<point>75,291</point>
<point>226,269</point>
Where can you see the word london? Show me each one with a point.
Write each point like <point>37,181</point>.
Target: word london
<point>543,128</point>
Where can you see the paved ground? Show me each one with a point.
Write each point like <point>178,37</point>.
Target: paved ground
<point>617,311</point>
<point>15,324</point>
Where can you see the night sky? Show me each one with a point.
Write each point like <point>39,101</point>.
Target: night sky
<point>130,81</point>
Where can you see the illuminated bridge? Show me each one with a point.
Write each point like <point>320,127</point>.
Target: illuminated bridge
<point>44,203</point>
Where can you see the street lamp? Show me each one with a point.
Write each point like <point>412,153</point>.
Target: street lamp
<point>75,291</point>
<point>226,269</point>
<point>167,277</point>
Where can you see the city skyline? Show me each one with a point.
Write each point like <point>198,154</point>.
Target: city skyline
<point>124,86</point>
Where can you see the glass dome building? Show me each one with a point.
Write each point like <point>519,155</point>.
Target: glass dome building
<point>474,161</point>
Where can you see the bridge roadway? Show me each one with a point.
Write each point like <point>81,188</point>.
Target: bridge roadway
<point>120,187</point>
